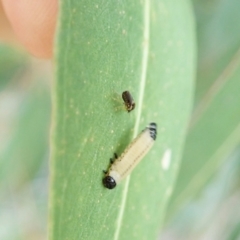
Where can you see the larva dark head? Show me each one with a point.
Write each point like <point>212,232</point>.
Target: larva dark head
<point>153,130</point>
<point>109,182</point>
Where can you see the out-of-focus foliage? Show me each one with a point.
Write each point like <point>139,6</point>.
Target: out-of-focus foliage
<point>12,65</point>
<point>24,124</point>
<point>215,213</point>
<point>203,205</point>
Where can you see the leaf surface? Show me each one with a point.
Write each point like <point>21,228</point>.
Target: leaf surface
<point>103,49</point>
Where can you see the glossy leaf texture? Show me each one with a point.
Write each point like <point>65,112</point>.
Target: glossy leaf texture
<point>102,49</point>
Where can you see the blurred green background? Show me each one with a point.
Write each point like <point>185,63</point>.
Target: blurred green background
<point>24,150</point>
<point>205,202</point>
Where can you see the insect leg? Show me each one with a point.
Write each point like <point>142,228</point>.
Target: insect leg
<point>113,159</point>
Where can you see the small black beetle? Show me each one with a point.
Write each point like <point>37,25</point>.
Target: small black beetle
<point>128,101</point>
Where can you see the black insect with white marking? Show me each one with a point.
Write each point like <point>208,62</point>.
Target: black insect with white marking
<point>128,101</point>
<point>134,153</point>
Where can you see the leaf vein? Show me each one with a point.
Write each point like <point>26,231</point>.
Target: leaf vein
<point>146,33</point>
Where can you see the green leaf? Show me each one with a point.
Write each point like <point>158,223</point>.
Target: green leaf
<point>103,49</point>
<point>215,127</point>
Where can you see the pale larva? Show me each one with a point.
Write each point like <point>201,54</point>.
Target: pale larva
<point>134,153</point>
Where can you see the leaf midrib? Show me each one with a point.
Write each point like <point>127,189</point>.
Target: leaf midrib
<point>146,35</point>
